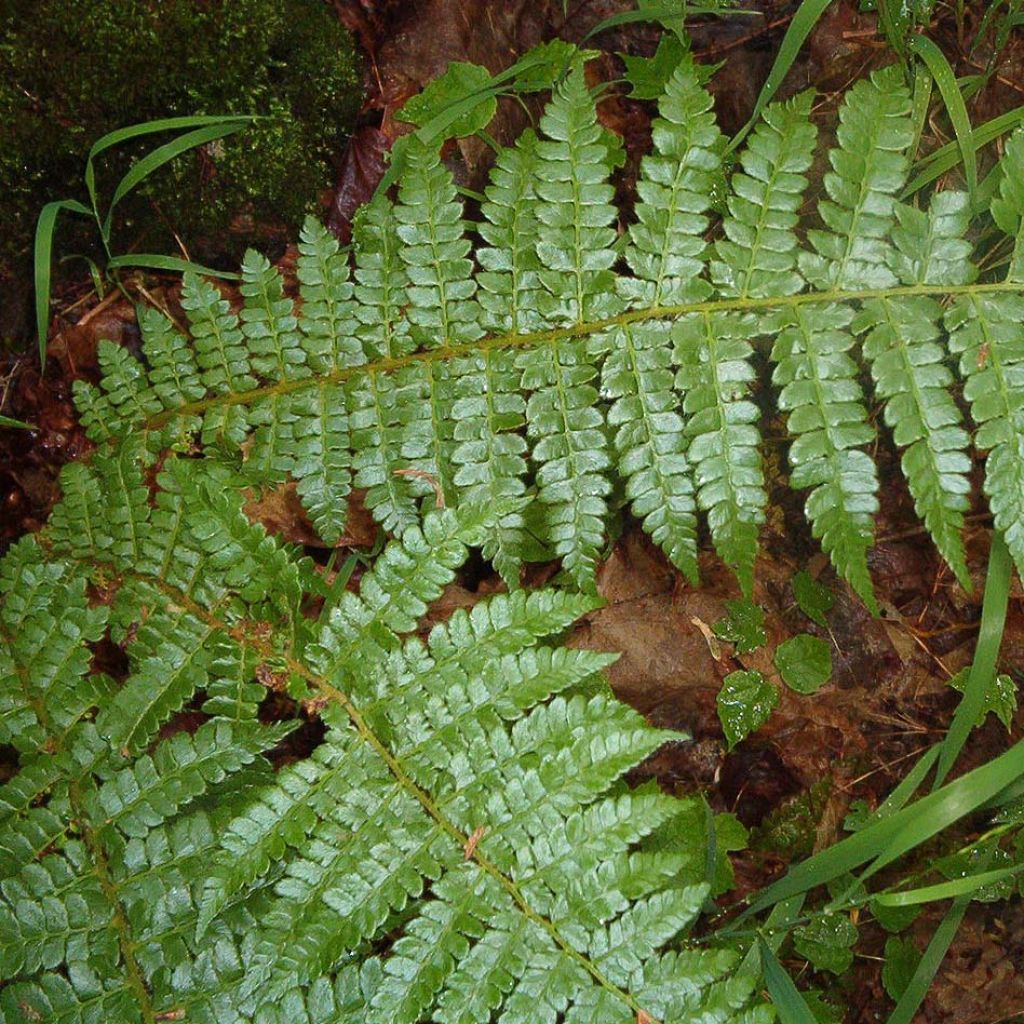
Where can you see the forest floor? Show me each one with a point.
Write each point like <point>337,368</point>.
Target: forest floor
<point>793,781</point>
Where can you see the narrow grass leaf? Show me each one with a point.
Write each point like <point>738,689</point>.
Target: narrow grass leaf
<point>790,1004</point>
<point>43,266</point>
<point>945,890</point>
<point>154,160</point>
<point>945,158</point>
<point>154,261</point>
<point>983,667</point>
<point>891,837</point>
<point>134,131</point>
<point>935,60</point>
<point>921,981</point>
<point>799,29</point>
<point>663,14</point>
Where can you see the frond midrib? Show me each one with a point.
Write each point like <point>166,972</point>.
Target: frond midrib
<point>537,339</point>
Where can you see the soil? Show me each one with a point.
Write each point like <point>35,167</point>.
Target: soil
<point>792,782</point>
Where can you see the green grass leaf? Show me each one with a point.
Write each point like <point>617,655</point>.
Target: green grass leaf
<point>928,966</point>
<point>937,64</point>
<point>790,1004</point>
<point>156,159</point>
<point>43,264</point>
<point>990,635</point>
<point>155,261</point>
<point>800,26</point>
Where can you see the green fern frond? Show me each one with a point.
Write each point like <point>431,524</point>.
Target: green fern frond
<point>606,377</point>
<point>464,812</point>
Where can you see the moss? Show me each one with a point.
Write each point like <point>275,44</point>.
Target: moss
<point>71,70</point>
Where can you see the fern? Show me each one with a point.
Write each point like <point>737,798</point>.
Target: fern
<point>549,369</point>
<point>179,877</point>
<point>461,846</point>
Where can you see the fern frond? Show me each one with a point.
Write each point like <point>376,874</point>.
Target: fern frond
<point>1008,205</point>
<point>714,377</point>
<point>758,252</point>
<point>820,392</point>
<point>574,209</point>
<point>509,281</point>
<point>461,844</point>
<point>327,319</point>
<point>816,375</point>
<point>639,373</point>
<point>221,352</point>
<point>984,332</point>
<point>205,885</point>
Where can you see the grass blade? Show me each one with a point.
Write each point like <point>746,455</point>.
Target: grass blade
<point>43,266</point>
<point>948,156</point>
<point>983,667</point>
<point>663,12</point>
<point>921,981</point>
<point>154,261</point>
<point>945,890</point>
<point>945,80</point>
<point>799,29</point>
<point>919,106</point>
<point>134,131</point>
<point>9,422</point>
<point>154,160</point>
<point>891,837</point>
<point>791,1005</point>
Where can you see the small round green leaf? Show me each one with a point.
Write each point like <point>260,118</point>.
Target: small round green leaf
<point>744,626</point>
<point>827,942</point>
<point>804,662</point>
<point>814,599</point>
<point>901,960</point>
<point>745,701</point>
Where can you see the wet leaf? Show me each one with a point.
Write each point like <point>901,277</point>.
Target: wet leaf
<point>827,942</point>
<point>894,919</point>
<point>545,64</point>
<point>901,960</point>
<point>745,702</point>
<point>1000,699</point>
<point>804,662</point>
<point>460,82</point>
<point>824,1011</point>
<point>814,599</point>
<point>858,815</point>
<point>689,832</point>
<point>649,75</point>
<point>743,626</point>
